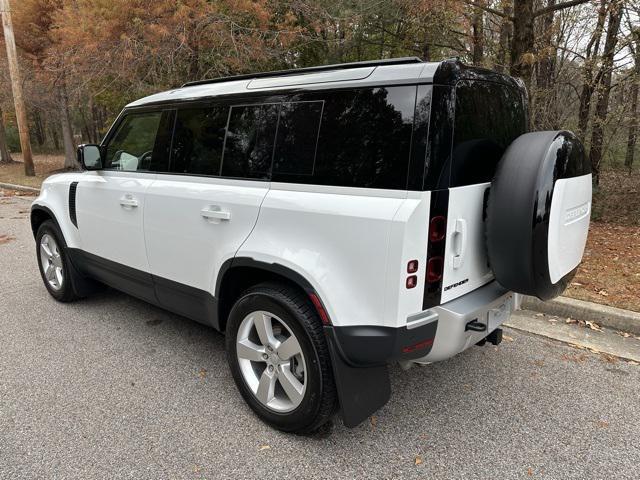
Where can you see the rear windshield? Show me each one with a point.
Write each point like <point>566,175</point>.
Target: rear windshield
<point>488,117</point>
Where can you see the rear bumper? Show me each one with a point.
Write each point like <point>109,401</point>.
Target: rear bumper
<point>360,354</point>
<point>488,307</point>
<point>430,336</point>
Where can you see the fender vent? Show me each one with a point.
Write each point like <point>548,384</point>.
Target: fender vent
<point>72,203</point>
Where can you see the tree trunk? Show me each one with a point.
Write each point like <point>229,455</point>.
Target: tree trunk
<point>633,126</point>
<point>5,156</point>
<point>67,133</point>
<point>38,130</point>
<point>426,51</point>
<point>546,61</point>
<point>586,94</point>
<point>604,88</point>
<point>16,88</point>
<point>478,34</point>
<point>506,34</point>
<point>53,130</point>
<point>522,46</point>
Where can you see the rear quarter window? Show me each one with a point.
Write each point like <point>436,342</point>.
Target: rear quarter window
<point>488,117</point>
<point>364,138</point>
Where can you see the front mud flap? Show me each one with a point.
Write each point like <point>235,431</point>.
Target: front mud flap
<point>361,390</point>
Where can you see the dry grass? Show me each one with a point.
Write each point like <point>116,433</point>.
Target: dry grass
<point>45,165</point>
<point>617,199</point>
<point>610,270</point>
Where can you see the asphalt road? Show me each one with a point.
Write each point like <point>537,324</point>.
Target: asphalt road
<point>111,387</point>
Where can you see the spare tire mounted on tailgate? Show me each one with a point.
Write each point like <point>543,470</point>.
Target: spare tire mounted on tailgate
<point>538,213</point>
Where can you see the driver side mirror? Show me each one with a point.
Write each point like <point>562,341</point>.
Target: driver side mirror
<point>90,156</point>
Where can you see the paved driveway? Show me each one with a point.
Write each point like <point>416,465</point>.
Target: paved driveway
<point>111,387</point>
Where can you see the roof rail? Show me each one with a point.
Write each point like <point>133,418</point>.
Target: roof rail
<point>319,68</point>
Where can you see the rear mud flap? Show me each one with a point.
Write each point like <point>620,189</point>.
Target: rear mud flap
<point>361,390</point>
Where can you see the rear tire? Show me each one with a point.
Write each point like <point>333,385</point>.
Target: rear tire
<point>279,358</point>
<point>56,269</point>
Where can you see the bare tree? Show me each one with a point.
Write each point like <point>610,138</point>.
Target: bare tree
<point>603,88</point>
<point>634,45</point>
<point>5,155</point>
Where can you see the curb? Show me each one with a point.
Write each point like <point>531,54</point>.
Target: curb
<point>603,315</point>
<point>22,188</point>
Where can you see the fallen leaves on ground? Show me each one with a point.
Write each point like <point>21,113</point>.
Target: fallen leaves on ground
<point>202,373</point>
<point>418,460</point>
<point>593,326</point>
<point>374,420</point>
<point>610,269</point>
<point>6,239</point>
<point>608,358</point>
<point>574,357</point>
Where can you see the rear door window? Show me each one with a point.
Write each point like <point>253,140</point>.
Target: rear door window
<point>297,138</point>
<point>198,140</point>
<point>488,117</point>
<point>248,146</point>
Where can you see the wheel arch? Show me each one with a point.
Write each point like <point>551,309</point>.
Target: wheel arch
<point>240,273</point>
<point>39,215</point>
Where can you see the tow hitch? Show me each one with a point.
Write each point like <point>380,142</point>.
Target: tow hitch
<point>494,338</point>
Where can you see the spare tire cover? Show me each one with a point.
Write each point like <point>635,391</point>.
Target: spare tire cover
<point>538,213</point>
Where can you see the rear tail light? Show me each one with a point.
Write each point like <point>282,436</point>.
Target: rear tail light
<point>435,267</point>
<point>437,228</point>
<point>412,281</point>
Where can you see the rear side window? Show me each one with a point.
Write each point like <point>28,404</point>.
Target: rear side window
<point>488,117</point>
<point>248,147</point>
<point>365,138</point>
<point>198,140</point>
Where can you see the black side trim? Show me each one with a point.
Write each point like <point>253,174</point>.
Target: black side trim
<point>190,302</point>
<point>72,203</point>
<point>126,279</point>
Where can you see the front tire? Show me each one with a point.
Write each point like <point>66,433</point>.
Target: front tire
<point>54,264</point>
<point>279,358</point>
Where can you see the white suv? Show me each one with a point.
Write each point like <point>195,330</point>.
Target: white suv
<point>329,220</point>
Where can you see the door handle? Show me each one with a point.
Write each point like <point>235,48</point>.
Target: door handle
<point>128,201</point>
<point>214,212</point>
<point>460,232</point>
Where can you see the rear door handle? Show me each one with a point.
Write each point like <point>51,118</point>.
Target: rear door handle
<point>460,231</point>
<point>214,212</point>
<point>129,201</point>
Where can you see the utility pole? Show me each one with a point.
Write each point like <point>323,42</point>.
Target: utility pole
<point>16,87</point>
